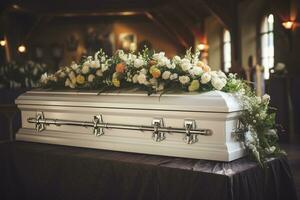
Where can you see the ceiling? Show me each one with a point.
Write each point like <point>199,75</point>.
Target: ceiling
<point>180,19</point>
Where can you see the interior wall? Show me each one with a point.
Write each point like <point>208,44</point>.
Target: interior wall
<point>249,14</point>
<point>213,30</point>
<point>58,33</point>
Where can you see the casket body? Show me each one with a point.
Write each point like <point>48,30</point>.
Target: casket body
<point>215,111</point>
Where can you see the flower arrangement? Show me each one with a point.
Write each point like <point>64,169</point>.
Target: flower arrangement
<point>154,72</point>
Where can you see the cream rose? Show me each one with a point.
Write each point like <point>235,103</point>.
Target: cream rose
<point>184,79</point>
<point>166,75</point>
<point>205,78</point>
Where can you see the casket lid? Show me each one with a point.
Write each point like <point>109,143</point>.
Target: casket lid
<point>213,101</point>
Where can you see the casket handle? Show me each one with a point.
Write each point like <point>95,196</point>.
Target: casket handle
<point>189,137</point>
<point>157,135</point>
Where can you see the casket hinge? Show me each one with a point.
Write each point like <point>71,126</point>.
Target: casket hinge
<point>97,130</point>
<point>189,137</point>
<point>157,135</point>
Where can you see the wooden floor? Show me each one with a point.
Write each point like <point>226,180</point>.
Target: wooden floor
<point>293,151</point>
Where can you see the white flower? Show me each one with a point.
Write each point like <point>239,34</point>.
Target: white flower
<point>135,78</point>
<point>44,78</point>
<point>271,132</point>
<point>143,71</point>
<point>184,79</point>
<point>138,63</point>
<point>74,66</point>
<point>173,76</point>
<point>104,67</point>
<point>205,78</point>
<point>68,83</point>
<point>171,66</point>
<point>166,75</point>
<point>161,59</point>
<point>72,75</point>
<point>91,77</point>
<point>221,74</point>
<point>95,64</point>
<point>195,71</point>
<point>158,56</point>
<point>99,72</point>
<point>185,64</point>
<point>218,83</point>
<point>176,60</point>
<point>85,69</point>
<point>266,98</point>
<point>142,79</point>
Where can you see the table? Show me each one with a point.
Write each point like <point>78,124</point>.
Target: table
<point>41,171</point>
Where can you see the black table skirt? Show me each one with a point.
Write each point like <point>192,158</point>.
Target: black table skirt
<point>40,171</point>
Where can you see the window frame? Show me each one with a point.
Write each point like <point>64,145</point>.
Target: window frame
<point>267,33</point>
<point>223,43</point>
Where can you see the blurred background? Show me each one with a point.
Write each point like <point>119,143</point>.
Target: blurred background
<point>258,39</point>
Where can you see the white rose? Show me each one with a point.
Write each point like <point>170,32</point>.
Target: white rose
<point>205,78</point>
<point>95,64</point>
<point>99,72</point>
<point>185,64</point>
<point>163,61</point>
<point>196,71</point>
<point>166,75</point>
<point>184,79</point>
<point>213,73</point>
<point>171,66</point>
<point>217,83</point>
<point>143,71</point>
<point>74,66</point>
<point>91,77</point>
<point>173,76</point>
<point>135,78</point>
<point>221,74</point>
<point>138,63</point>
<point>158,56</point>
<point>85,69</point>
<point>142,79</point>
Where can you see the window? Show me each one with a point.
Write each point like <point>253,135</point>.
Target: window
<point>267,44</point>
<point>226,50</point>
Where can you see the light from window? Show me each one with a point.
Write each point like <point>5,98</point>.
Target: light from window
<point>226,51</point>
<point>267,45</point>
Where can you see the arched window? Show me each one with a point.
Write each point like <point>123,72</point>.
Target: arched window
<point>226,50</point>
<point>267,44</point>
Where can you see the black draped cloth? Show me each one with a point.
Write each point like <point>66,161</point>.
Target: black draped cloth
<point>40,171</point>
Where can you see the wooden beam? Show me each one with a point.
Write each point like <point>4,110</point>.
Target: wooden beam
<point>179,39</point>
<point>173,37</point>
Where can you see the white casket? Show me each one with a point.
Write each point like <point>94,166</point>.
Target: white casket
<point>190,125</point>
